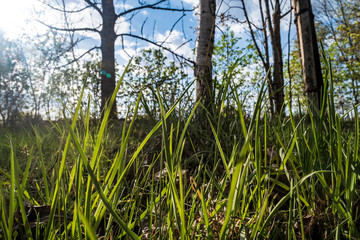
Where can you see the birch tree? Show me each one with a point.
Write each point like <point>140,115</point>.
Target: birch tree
<point>203,58</point>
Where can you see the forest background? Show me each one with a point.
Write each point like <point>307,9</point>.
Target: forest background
<point>44,69</point>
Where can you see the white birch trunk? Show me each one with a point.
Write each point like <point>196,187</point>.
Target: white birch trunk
<point>203,51</point>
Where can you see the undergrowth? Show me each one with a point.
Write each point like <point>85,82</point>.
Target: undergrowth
<point>289,177</point>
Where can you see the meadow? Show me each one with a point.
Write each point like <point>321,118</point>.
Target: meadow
<point>294,176</point>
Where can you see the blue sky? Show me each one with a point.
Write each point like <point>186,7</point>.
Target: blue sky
<point>18,16</point>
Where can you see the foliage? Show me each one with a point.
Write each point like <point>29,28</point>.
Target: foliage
<point>32,80</point>
<point>152,72</point>
<point>91,78</point>
<point>49,83</point>
<point>234,65</point>
<point>295,90</point>
<point>339,31</point>
<point>13,84</point>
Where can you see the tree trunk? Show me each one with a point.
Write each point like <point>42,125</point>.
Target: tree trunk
<point>277,83</point>
<point>108,37</point>
<point>204,49</point>
<point>355,89</point>
<point>310,59</point>
<point>267,56</point>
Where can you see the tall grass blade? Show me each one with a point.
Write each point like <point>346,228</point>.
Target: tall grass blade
<point>61,170</point>
<point>97,185</point>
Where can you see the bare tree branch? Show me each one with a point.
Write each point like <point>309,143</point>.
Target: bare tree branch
<point>78,58</point>
<point>173,9</point>
<point>172,28</point>
<point>71,34</point>
<point>288,58</point>
<point>94,6</point>
<point>155,44</point>
<point>63,10</point>
<point>268,18</point>
<point>69,29</point>
<point>183,44</point>
<point>252,34</point>
<point>68,49</point>
<point>153,6</point>
<point>142,27</point>
<point>289,11</point>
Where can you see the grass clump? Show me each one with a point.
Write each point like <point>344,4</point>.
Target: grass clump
<point>294,177</point>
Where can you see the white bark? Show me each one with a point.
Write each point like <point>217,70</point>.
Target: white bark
<point>204,50</point>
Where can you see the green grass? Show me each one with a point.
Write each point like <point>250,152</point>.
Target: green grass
<point>293,177</point>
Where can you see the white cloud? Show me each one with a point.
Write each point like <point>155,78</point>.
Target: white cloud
<point>122,6</point>
<point>127,42</point>
<point>125,55</point>
<point>174,41</point>
<point>194,3</point>
<point>253,10</point>
<point>122,26</point>
<point>125,49</point>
